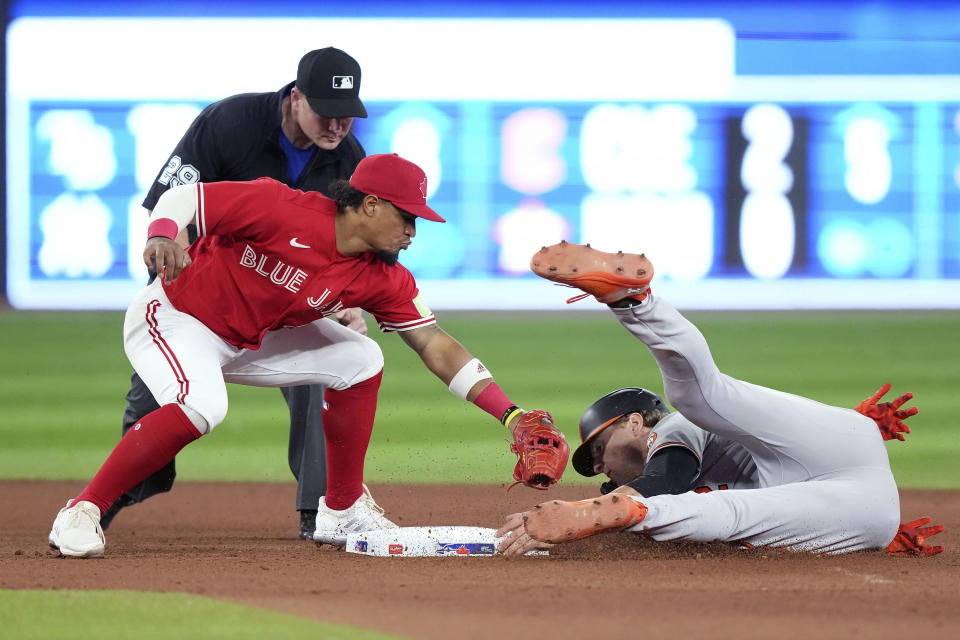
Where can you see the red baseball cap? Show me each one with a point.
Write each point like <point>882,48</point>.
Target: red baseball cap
<point>388,176</point>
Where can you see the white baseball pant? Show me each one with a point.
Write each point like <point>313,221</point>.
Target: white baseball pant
<point>182,361</point>
<point>825,479</point>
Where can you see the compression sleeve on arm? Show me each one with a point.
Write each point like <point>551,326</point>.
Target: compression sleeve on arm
<point>175,209</point>
<point>670,470</point>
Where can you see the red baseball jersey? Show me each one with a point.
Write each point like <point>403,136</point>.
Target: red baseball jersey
<point>266,257</point>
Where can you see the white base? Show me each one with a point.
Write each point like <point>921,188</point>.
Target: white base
<point>435,541</point>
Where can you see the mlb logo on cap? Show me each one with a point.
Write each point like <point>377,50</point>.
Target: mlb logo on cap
<point>330,81</point>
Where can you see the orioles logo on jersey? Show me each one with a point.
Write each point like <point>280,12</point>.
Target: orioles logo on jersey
<point>651,440</point>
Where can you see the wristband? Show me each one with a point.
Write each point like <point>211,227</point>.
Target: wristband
<point>469,375</point>
<point>494,401</point>
<point>509,414</point>
<point>163,227</point>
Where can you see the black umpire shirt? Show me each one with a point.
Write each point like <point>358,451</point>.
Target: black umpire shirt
<point>236,139</point>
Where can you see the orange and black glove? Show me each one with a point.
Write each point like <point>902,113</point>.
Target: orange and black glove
<point>911,539</point>
<point>888,415</point>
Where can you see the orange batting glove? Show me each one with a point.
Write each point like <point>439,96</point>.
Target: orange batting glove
<point>888,415</point>
<point>911,537</point>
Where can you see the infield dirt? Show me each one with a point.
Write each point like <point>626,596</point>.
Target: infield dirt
<point>238,542</point>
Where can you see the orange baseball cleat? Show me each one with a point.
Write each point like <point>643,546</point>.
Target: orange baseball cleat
<point>609,277</point>
<point>559,521</point>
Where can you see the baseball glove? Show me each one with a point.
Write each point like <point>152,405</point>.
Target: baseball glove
<point>542,450</point>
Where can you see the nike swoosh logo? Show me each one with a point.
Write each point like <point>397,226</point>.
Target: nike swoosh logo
<point>294,243</point>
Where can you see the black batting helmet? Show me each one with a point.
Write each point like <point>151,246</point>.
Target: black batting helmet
<point>604,412</point>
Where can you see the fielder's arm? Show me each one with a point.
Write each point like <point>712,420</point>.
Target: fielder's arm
<point>175,209</point>
<point>541,448</point>
<point>182,239</point>
<point>447,359</point>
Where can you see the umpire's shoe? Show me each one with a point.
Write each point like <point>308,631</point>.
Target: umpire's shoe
<point>609,277</point>
<point>308,523</point>
<point>559,521</point>
<point>120,503</point>
<point>76,531</point>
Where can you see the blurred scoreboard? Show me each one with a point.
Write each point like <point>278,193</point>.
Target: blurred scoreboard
<point>759,190</point>
<point>762,192</point>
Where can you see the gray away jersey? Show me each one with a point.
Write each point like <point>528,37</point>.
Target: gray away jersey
<point>724,464</point>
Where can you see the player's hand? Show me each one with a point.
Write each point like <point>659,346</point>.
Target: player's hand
<point>518,541</point>
<point>911,539</point>
<point>352,319</point>
<point>888,415</point>
<point>165,257</point>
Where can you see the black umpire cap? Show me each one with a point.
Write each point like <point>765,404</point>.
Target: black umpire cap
<point>330,81</point>
<point>604,412</point>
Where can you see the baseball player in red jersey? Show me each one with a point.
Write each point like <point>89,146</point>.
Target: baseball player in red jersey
<point>300,135</point>
<point>737,463</point>
<point>247,305</point>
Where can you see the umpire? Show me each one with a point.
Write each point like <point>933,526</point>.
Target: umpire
<point>299,135</point>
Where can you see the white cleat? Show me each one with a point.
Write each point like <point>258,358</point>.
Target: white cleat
<point>76,531</point>
<point>363,515</point>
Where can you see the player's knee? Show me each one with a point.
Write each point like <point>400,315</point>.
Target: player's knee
<point>207,412</point>
<point>198,420</point>
<point>878,502</point>
<point>373,356</point>
<point>887,527</point>
<point>366,362</point>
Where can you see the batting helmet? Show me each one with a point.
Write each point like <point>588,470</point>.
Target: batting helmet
<point>604,412</point>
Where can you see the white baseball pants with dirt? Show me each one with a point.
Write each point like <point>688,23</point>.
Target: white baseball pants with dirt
<point>182,361</point>
<point>826,484</point>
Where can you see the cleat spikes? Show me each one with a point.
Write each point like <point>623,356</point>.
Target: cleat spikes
<point>608,277</point>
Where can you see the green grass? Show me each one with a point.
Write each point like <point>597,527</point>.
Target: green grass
<point>63,377</point>
<point>79,615</point>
